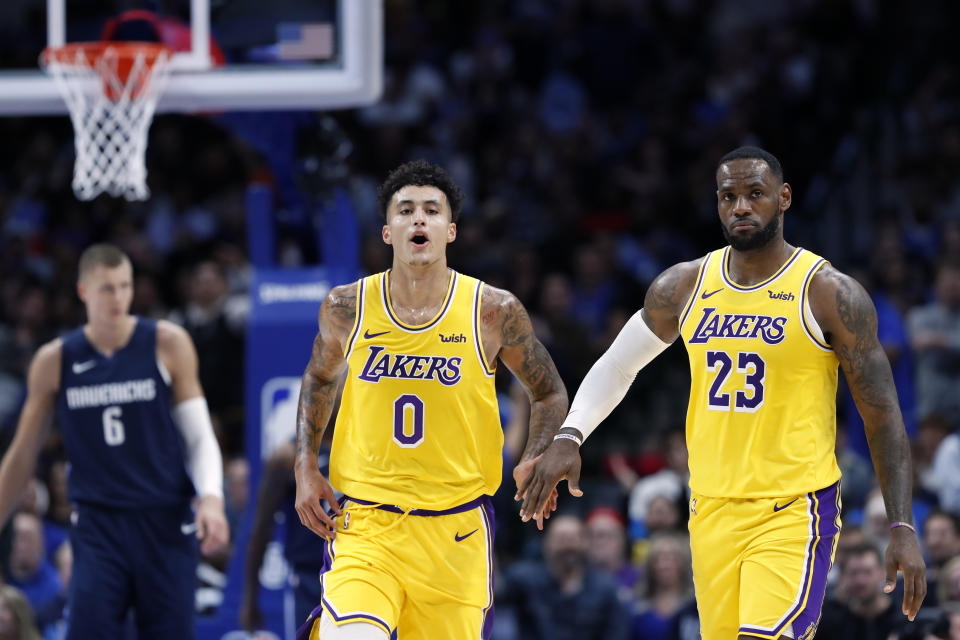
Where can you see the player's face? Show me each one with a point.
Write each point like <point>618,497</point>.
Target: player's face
<point>418,225</point>
<point>750,201</point>
<point>107,293</point>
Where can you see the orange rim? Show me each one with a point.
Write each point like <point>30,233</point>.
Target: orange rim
<point>92,52</point>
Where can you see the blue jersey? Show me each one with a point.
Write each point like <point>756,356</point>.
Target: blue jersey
<point>114,413</point>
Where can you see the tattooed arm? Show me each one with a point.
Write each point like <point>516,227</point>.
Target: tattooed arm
<point>846,314</point>
<point>666,297</point>
<point>318,393</point>
<point>506,331</point>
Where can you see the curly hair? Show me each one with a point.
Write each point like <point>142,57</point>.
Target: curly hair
<point>420,173</point>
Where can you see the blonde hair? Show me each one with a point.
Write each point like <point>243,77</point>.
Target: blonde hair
<point>657,543</point>
<point>22,613</point>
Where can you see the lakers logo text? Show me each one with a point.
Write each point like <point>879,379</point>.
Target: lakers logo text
<point>383,364</point>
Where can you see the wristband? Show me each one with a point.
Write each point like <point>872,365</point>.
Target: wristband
<point>902,524</point>
<point>568,436</point>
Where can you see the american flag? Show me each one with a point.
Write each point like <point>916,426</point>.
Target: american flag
<point>305,41</point>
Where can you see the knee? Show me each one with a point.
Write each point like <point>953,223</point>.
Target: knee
<point>350,631</point>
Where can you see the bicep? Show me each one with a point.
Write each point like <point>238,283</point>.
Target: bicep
<point>846,313</point>
<point>180,358</point>
<point>666,297</point>
<point>525,355</point>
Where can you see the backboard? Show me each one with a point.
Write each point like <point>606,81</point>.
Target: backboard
<point>280,54</point>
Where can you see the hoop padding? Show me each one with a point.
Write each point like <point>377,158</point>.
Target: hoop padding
<point>111,90</point>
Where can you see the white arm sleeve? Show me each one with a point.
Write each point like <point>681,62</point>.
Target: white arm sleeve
<point>204,464</point>
<point>607,381</point>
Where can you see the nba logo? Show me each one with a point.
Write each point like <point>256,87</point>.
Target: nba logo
<point>278,413</point>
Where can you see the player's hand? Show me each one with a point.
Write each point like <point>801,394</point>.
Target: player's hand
<point>538,489</point>
<point>903,555</point>
<point>212,528</point>
<point>312,490</point>
<point>520,473</point>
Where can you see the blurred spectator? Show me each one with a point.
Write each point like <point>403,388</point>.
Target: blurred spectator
<point>875,523</point>
<point>864,612</point>
<point>941,542</point>
<point>669,483</point>
<point>948,584</point>
<point>562,598</point>
<point>935,337</point>
<point>851,537</point>
<point>856,470</point>
<point>941,449</point>
<point>607,549</point>
<point>30,571</point>
<point>668,586</point>
<point>215,320</point>
<point>16,617</point>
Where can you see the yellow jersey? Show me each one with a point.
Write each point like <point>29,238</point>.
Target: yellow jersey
<point>761,420</point>
<point>419,425</point>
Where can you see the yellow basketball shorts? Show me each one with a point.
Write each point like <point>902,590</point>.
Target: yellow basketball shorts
<point>760,566</point>
<point>425,574</point>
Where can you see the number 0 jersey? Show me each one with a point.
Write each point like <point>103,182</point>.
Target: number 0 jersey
<point>419,425</point>
<point>761,421</point>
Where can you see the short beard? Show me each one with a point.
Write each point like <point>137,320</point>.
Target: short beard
<point>757,240</point>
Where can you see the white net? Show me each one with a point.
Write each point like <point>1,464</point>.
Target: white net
<point>111,92</point>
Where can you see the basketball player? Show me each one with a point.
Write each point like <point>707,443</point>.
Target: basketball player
<point>136,431</point>
<point>417,444</point>
<point>765,325</point>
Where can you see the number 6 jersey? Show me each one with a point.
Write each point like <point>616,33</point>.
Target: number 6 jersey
<point>114,414</point>
<point>761,421</point>
<point>418,425</point>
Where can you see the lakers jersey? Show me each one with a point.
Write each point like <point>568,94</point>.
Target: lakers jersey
<point>418,425</point>
<point>761,421</point>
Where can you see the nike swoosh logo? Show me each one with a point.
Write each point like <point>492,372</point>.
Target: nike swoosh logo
<point>706,295</point>
<point>777,507</point>
<point>188,527</point>
<point>458,537</point>
<point>368,335</point>
<point>80,367</point>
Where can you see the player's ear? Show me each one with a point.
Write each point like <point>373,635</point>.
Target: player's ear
<point>385,234</point>
<point>451,232</point>
<point>786,196</point>
<point>81,291</point>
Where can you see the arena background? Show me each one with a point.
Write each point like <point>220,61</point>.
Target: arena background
<point>585,135</point>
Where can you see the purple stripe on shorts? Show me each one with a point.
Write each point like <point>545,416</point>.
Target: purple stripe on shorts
<point>828,510</point>
<point>488,518</point>
<point>824,509</point>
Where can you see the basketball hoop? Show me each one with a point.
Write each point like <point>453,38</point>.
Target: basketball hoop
<point>111,90</point>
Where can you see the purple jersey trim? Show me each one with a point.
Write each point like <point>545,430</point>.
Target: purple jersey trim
<point>696,290</point>
<point>824,510</point>
<point>356,330</point>
<point>392,508</point>
<point>486,510</point>
<point>385,294</point>
<point>803,315</point>
<point>736,287</point>
<point>476,331</point>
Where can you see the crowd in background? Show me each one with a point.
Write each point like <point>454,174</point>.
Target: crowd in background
<point>585,135</point>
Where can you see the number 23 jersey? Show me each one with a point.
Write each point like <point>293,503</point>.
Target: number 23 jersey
<point>419,425</point>
<point>761,420</point>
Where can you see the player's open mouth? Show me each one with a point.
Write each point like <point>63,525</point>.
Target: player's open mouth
<point>419,238</point>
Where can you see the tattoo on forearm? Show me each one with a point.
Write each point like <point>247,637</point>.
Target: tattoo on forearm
<point>538,374</point>
<point>871,383</point>
<point>318,390</point>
